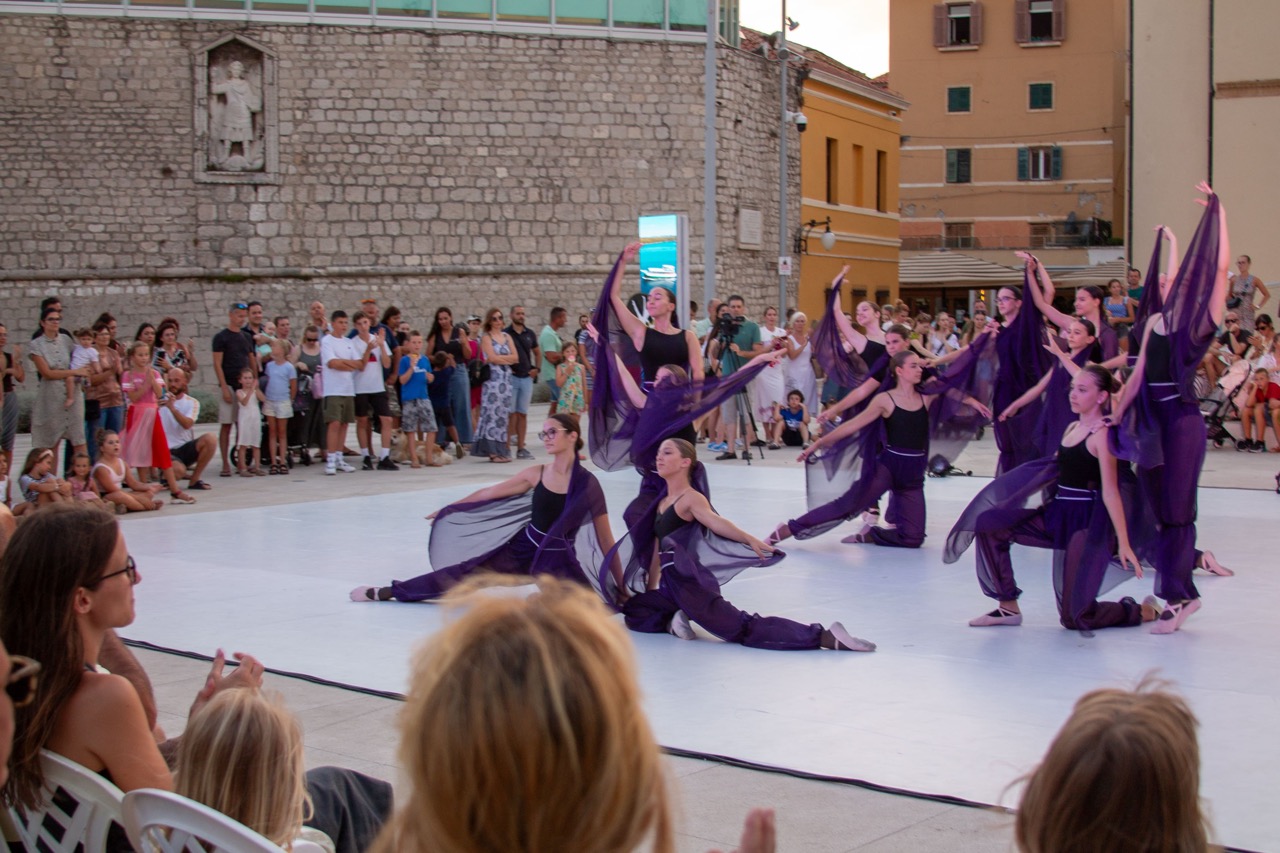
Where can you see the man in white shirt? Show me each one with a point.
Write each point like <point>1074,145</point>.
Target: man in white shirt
<point>179,413</point>
<point>371,393</point>
<point>341,358</point>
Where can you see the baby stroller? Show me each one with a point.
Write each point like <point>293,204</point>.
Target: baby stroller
<point>1223,403</point>
<point>307,424</point>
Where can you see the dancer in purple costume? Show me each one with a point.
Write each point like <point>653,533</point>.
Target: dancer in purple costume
<point>1083,522</point>
<point>1052,389</point>
<point>657,345</point>
<point>696,550</point>
<point>1022,362</point>
<point>548,519</point>
<point>845,353</point>
<point>891,438</point>
<point>1088,306</point>
<point>1162,430</point>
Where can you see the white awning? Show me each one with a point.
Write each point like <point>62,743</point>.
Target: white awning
<point>1099,274</point>
<point>954,269</point>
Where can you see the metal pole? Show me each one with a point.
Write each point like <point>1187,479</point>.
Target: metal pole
<point>709,196</point>
<point>783,248</point>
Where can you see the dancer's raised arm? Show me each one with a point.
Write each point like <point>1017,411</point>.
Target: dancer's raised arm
<point>855,338</point>
<point>509,488</point>
<point>1221,281</point>
<point>631,324</point>
<point>1042,295</point>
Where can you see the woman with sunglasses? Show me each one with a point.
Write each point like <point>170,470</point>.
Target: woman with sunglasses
<point>548,519</point>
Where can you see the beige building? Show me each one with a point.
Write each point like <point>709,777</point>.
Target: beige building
<point>1015,137</point>
<point>1185,131</point>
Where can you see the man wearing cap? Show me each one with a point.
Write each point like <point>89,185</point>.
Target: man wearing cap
<point>232,352</point>
<point>523,374</point>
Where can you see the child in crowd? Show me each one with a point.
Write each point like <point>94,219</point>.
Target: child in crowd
<point>39,485</point>
<point>84,355</point>
<point>1262,400</point>
<point>248,424</point>
<point>83,487</point>
<point>417,415</point>
<point>572,379</point>
<point>443,367</point>
<point>790,423</point>
<point>1140,742</point>
<point>282,387</point>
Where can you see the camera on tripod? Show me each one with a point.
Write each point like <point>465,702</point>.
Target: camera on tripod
<point>727,326</point>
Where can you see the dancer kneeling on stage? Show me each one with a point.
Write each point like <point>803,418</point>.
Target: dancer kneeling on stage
<point>696,550</point>
<point>1084,523</point>
<point>543,520</point>
<point>899,468</point>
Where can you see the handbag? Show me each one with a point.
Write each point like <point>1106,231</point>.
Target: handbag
<point>478,372</point>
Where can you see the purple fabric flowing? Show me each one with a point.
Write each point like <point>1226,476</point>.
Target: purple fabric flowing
<point>1055,411</point>
<point>1023,360</point>
<point>844,476</point>
<point>495,535</point>
<point>844,365</point>
<point>1150,303</point>
<point>612,415</point>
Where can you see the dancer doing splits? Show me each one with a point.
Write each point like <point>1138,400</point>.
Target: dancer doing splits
<point>662,343</point>
<point>1163,431</point>
<point>1084,522</point>
<point>696,550</point>
<point>548,519</point>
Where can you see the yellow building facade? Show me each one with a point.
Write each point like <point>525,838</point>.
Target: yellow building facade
<point>849,174</point>
<point>1016,135</point>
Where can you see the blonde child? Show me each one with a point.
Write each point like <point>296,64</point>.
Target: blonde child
<point>572,379</point>
<point>282,387</point>
<point>417,417</point>
<point>249,423</point>
<point>83,487</point>
<point>39,485</point>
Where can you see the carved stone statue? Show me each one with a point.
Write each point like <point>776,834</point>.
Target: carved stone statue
<point>236,132</point>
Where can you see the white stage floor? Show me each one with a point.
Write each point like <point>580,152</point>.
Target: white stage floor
<point>940,709</point>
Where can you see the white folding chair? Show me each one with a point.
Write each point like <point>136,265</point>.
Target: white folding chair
<point>162,822</point>
<point>81,815</point>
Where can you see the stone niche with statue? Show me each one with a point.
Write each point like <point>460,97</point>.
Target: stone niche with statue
<point>236,138</point>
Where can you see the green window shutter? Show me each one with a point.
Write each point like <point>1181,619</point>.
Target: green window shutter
<point>958,99</point>
<point>1055,164</point>
<point>953,165</point>
<point>1024,164</point>
<point>964,162</point>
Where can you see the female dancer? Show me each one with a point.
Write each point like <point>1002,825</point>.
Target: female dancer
<point>444,337</point>
<point>899,467</point>
<point>1163,430</point>
<point>495,402</point>
<point>1053,387</point>
<point>800,375</point>
<point>1084,522</point>
<point>659,344</point>
<point>543,520</point>
<point>1088,305</point>
<point>698,549</point>
<point>1022,362</point>
<point>835,338</point>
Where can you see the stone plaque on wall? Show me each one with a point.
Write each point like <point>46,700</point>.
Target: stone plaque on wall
<point>750,229</point>
<point>235,113</point>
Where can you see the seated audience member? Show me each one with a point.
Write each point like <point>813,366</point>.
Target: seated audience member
<point>1122,775</point>
<point>112,474</point>
<point>561,758</point>
<point>72,565</point>
<point>242,755</point>
<point>1261,404</point>
<point>40,486</point>
<point>790,422</point>
<point>179,412</point>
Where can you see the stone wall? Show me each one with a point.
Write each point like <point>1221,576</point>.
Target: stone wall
<point>423,168</point>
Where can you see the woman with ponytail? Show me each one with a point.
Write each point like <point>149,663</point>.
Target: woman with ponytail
<point>548,519</point>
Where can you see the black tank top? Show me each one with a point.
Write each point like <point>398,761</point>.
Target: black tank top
<point>1158,350</point>
<point>877,358</point>
<point>1077,467</point>
<point>668,522</point>
<point>548,506</point>
<point>453,347</point>
<point>661,349</point>
<point>907,429</point>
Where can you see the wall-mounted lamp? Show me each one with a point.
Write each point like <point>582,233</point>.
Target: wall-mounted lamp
<point>828,239</point>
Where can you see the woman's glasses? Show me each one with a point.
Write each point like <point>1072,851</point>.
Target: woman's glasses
<point>548,434</point>
<point>23,679</point>
<point>130,569</point>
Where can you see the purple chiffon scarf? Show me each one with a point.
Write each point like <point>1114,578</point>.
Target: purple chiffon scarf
<point>844,365</point>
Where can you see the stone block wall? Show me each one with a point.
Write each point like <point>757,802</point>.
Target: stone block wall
<point>424,168</point>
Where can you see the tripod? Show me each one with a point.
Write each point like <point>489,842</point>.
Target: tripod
<point>745,415</point>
